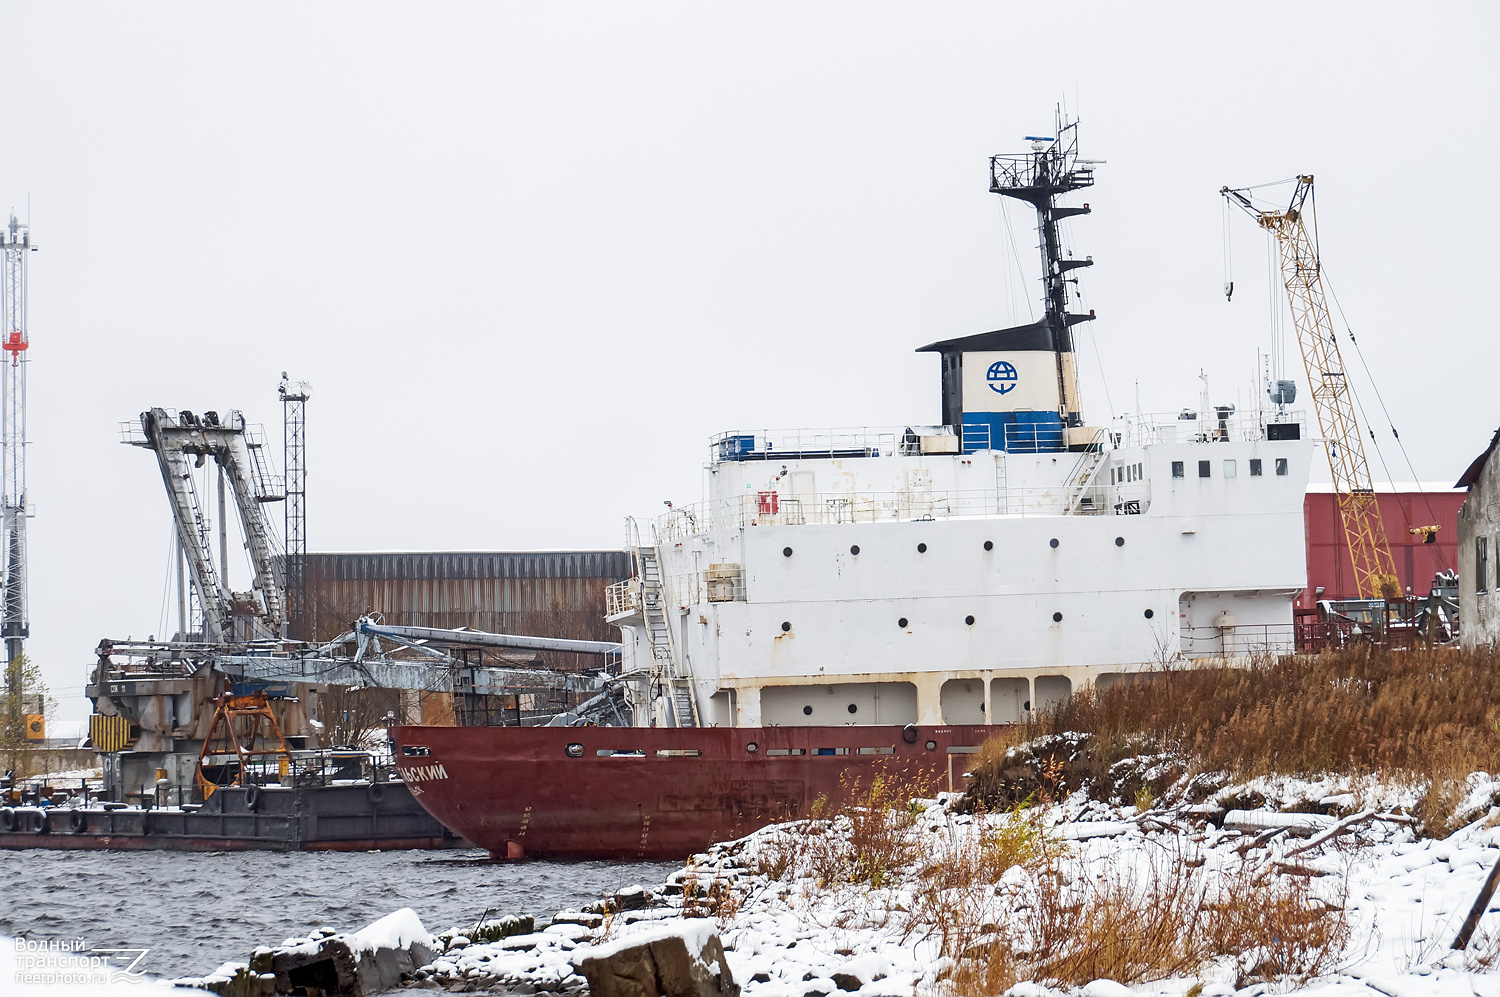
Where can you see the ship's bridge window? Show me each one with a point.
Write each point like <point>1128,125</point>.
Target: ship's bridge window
<point>1205,468</point>
<point>1231,469</point>
<point>1177,469</point>
<point>1254,467</point>
<point>1281,466</point>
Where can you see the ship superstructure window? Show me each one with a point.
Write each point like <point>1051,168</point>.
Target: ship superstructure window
<point>1281,467</point>
<point>1254,467</point>
<point>1177,469</point>
<point>1481,564</point>
<point>1231,469</point>
<point>1205,468</point>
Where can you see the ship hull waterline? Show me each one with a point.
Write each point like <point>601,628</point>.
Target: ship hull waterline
<point>634,793</point>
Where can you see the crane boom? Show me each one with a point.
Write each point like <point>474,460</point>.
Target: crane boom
<point>1333,399</point>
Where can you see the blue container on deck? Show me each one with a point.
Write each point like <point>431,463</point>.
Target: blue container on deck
<point>1013,432</point>
<point>736,447</point>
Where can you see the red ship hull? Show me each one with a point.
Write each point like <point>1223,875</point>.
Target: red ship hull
<point>653,793</point>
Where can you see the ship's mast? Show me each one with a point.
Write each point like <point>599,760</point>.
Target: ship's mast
<point>1051,170</point>
<point>15,243</point>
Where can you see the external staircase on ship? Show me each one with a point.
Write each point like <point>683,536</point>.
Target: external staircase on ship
<point>668,671</point>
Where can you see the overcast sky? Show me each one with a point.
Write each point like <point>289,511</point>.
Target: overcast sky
<point>532,257</point>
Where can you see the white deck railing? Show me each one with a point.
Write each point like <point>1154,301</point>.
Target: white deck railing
<point>775,508</point>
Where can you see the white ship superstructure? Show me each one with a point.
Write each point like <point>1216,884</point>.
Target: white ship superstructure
<point>976,570</point>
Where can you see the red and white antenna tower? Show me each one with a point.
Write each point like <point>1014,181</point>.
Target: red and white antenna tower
<point>15,244</point>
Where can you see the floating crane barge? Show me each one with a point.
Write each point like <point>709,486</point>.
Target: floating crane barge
<point>205,738</point>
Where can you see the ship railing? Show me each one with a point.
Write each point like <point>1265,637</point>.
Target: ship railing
<point>813,444</point>
<point>313,767</point>
<point>1238,641</point>
<point>622,597</point>
<point>1017,437</point>
<point>774,508</point>
<point>1197,427</point>
<point>1035,437</point>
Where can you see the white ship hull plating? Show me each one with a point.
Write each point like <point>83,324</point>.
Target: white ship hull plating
<point>1206,569</point>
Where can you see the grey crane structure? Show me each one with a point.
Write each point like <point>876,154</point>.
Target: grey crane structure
<point>183,442</point>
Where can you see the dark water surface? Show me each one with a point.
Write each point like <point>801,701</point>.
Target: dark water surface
<point>195,910</point>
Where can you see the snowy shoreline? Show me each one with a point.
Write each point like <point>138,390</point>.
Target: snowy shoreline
<point>791,935</point>
<point>791,930</point>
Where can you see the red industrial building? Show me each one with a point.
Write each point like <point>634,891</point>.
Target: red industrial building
<point>1403,508</point>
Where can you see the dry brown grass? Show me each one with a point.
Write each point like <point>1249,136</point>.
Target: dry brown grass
<point>1133,924</point>
<point>866,838</point>
<point>993,895</point>
<point>1431,713</point>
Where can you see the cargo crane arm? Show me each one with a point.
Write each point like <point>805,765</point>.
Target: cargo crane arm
<point>366,628</point>
<point>1333,399</point>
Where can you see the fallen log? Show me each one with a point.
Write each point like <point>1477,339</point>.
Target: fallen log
<point>1352,821</point>
<point>1472,921</point>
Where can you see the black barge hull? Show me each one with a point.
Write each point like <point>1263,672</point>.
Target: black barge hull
<point>236,818</point>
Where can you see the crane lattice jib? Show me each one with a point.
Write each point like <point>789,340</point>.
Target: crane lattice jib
<point>1333,399</point>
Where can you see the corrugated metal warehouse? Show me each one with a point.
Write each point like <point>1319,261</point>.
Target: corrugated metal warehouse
<point>546,593</point>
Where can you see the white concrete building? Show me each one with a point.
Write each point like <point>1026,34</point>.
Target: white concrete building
<point>1479,551</point>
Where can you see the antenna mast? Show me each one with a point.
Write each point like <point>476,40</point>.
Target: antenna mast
<point>15,243</point>
<point>294,396</point>
<point>1040,177</point>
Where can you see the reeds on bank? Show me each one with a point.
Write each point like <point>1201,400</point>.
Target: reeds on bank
<point>1428,715</point>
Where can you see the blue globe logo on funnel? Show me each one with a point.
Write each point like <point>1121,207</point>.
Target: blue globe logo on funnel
<point>1001,377</point>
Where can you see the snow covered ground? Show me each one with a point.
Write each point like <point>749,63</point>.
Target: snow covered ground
<point>799,916</point>
<point>790,935</point>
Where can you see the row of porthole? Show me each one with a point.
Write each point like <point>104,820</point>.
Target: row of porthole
<point>903,622</point>
<point>1054,543</point>
<point>807,710</point>
<point>909,734</point>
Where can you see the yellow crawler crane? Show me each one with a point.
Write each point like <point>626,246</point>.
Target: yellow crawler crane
<point>1333,399</point>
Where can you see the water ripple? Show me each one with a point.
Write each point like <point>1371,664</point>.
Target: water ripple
<point>194,910</point>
